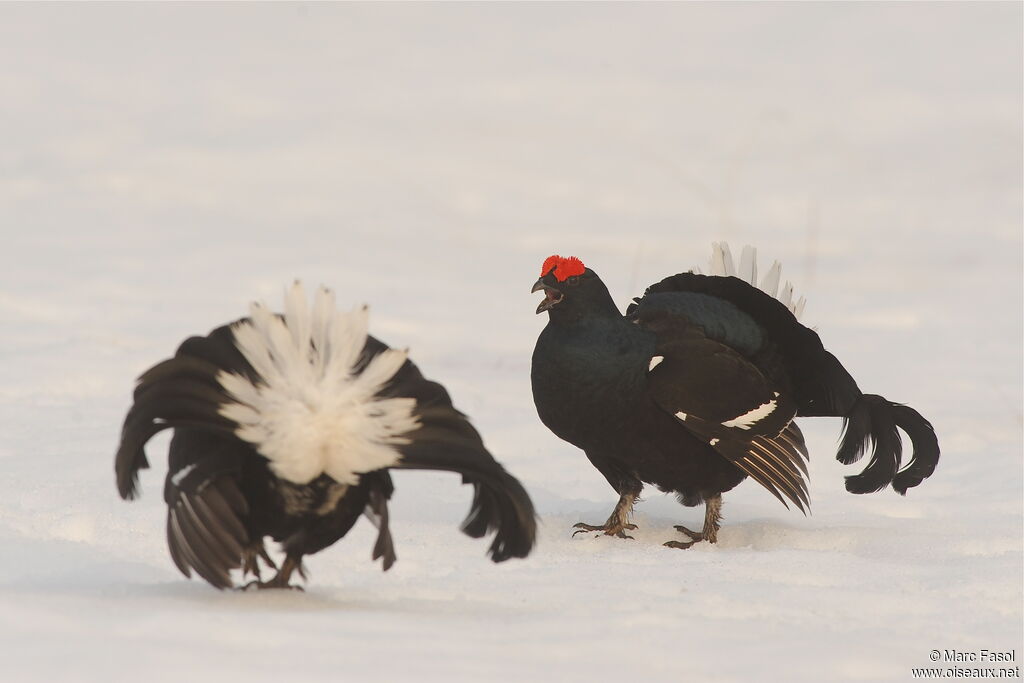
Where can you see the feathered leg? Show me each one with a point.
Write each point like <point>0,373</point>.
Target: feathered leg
<point>712,517</point>
<point>619,519</point>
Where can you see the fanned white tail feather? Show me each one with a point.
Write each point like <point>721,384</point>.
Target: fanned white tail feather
<point>722,264</point>
<point>770,283</point>
<point>748,265</point>
<point>310,413</point>
<point>721,259</point>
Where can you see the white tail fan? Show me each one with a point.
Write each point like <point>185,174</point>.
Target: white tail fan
<point>721,259</point>
<point>310,413</point>
<point>787,295</point>
<point>748,265</point>
<point>722,265</point>
<point>770,283</point>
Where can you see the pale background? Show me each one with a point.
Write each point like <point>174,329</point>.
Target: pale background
<point>161,165</point>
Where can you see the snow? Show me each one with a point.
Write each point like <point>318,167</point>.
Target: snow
<point>163,165</point>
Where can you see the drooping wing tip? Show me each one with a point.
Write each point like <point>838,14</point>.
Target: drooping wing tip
<point>205,533</point>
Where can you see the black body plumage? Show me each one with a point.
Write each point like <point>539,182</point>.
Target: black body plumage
<point>697,387</point>
<point>223,494</point>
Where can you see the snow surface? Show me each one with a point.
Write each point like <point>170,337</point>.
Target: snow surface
<point>162,165</point>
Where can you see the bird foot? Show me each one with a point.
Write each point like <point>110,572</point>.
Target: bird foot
<point>695,537</point>
<point>282,577</point>
<point>681,545</point>
<point>616,530</point>
<point>273,583</point>
<point>250,561</point>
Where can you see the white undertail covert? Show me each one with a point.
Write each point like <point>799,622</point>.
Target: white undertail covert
<point>310,413</point>
<point>722,264</point>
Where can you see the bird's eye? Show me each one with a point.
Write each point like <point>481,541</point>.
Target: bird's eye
<point>574,280</point>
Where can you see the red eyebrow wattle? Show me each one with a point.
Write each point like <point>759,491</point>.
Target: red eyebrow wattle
<point>564,268</point>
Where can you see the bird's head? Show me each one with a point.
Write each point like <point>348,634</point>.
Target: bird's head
<point>570,287</point>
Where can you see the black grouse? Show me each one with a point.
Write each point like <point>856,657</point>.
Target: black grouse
<point>286,426</point>
<point>697,387</point>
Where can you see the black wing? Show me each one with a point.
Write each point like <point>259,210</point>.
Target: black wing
<point>447,441</point>
<point>208,510</point>
<point>724,398</point>
<point>205,508</point>
<point>760,327</point>
<point>765,331</point>
<point>182,391</point>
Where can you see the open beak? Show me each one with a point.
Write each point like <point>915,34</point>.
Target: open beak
<point>551,296</point>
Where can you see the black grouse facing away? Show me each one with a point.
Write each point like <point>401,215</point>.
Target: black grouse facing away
<point>697,387</point>
<point>286,426</point>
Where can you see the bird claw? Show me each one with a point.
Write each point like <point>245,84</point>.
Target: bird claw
<point>273,583</point>
<point>266,557</point>
<point>251,558</point>
<point>614,530</point>
<point>280,579</point>
<point>695,535</point>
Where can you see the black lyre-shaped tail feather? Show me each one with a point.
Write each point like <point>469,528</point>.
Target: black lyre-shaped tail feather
<point>925,456</point>
<point>872,426</point>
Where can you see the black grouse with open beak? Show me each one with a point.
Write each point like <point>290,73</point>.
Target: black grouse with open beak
<point>552,295</point>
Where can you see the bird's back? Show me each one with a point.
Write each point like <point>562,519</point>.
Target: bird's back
<point>759,327</point>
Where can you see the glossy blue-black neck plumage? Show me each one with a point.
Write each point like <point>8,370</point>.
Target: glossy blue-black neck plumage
<point>584,298</point>
<point>587,347</point>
